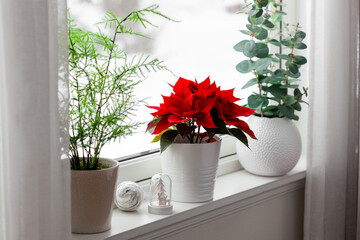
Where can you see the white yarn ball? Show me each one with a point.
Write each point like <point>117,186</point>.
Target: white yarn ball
<point>129,196</point>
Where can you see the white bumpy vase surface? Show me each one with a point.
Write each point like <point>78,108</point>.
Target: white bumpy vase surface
<point>277,149</point>
<point>192,169</point>
<point>92,197</point>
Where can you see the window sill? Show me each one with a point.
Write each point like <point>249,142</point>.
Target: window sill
<point>233,192</point>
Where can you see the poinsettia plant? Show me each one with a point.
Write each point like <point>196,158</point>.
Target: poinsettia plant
<point>198,111</point>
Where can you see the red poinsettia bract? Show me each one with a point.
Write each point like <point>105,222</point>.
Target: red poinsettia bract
<point>193,105</point>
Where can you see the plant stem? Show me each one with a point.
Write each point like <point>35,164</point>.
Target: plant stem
<point>198,134</point>
<point>260,91</point>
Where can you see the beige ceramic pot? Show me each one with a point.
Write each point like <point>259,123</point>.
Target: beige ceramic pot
<point>92,197</point>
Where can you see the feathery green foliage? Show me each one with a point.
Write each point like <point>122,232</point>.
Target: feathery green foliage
<point>102,82</point>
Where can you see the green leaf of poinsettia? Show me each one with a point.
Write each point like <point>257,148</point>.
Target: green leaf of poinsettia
<point>158,137</point>
<point>184,130</point>
<point>167,139</point>
<point>239,135</point>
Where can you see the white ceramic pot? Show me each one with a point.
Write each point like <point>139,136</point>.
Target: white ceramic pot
<point>92,197</point>
<point>192,169</point>
<point>277,149</point>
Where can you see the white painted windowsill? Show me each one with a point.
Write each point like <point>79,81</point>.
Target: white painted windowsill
<point>233,192</point>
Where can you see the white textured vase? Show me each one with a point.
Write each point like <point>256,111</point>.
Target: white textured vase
<point>92,197</point>
<point>192,169</point>
<point>277,149</point>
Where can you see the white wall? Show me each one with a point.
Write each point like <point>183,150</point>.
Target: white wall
<point>280,218</point>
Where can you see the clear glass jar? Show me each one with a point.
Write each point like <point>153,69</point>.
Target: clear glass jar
<point>160,195</point>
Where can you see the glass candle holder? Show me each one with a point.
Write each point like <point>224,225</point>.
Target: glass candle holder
<point>160,195</point>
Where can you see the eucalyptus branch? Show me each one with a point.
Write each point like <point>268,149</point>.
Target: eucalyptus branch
<point>274,98</point>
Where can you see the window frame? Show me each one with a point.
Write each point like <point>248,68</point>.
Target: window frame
<point>144,167</point>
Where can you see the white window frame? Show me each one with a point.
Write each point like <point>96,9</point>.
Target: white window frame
<point>143,167</point>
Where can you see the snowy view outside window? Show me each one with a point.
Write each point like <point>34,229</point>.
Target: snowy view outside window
<point>198,46</point>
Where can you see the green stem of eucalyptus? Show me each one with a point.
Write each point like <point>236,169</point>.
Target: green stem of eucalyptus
<point>260,92</point>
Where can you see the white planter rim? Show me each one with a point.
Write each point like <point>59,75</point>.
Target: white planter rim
<point>270,118</point>
<point>113,164</point>
<point>217,138</point>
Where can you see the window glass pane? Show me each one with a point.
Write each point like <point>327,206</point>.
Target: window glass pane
<point>198,46</point>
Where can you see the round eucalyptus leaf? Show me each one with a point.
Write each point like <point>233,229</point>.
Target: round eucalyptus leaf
<point>289,86</point>
<point>286,43</point>
<point>253,28</point>
<point>262,50</point>
<point>240,45</point>
<point>280,12</point>
<point>261,3</point>
<point>253,12</point>
<point>297,106</point>
<point>262,64</point>
<point>296,40</point>
<point>282,56</point>
<point>255,101</point>
<point>255,20</point>
<point>277,91</point>
<point>300,46</point>
<point>297,93</point>
<point>290,74</point>
<point>293,68</point>
<point>288,112</point>
<point>268,24</point>
<point>244,66</point>
<point>246,32</point>
<point>264,72</point>
<point>250,49</point>
<point>250,83</point>
<point>275,42</point>
<point>299,60</point>
<point>300,34</point>
<point>262,34</point>
<point>290,100</point>
<point>280,72</point>
<point>259,13</point>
